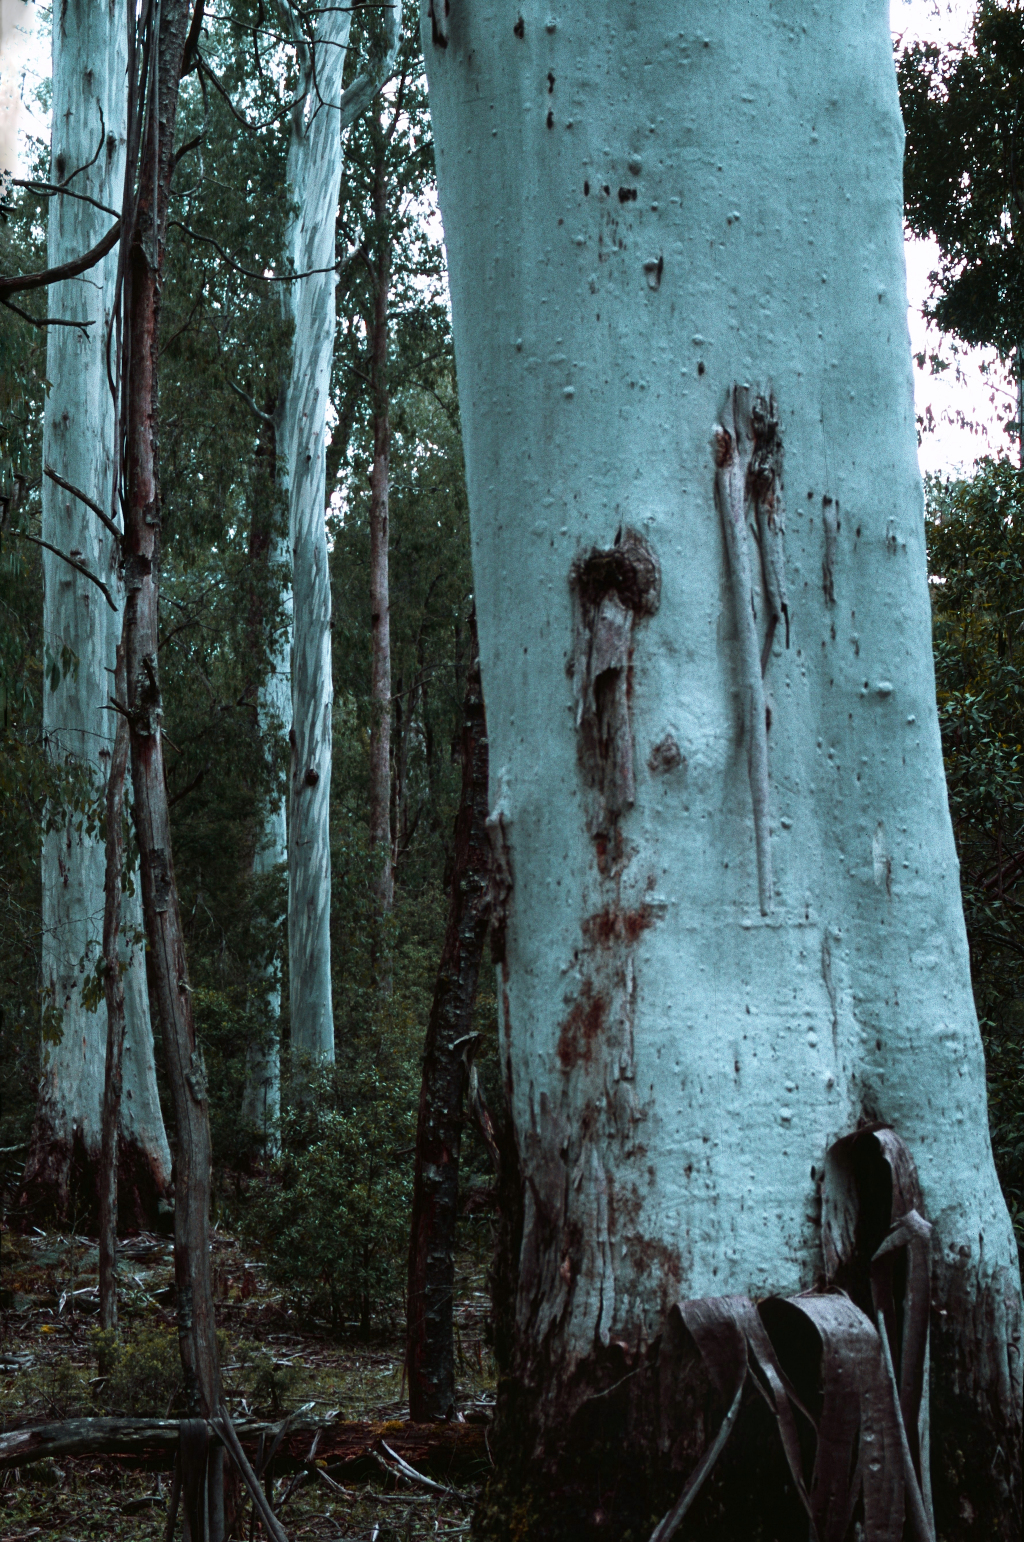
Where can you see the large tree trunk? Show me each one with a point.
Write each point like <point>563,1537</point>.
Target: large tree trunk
<point>380,602</point>
<point>89,106</point>
<point>315,156</point>
<point>447,1055</point>
<point>728,943</point>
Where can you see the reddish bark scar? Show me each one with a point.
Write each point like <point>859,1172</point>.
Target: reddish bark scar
<point>582,1026</point>
<point>611,925</point>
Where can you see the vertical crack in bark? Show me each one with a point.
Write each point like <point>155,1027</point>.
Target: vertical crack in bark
<point>830,520</point>
<point>748,462</point>
<point>612,589</point>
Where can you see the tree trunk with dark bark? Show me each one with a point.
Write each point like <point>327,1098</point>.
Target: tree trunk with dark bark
<point>113,990</point>
<point>168,969</point>
<point>448,1050</point>
<point>380,604</point>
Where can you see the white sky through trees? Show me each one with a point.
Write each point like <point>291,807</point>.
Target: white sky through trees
<point>963,408</point>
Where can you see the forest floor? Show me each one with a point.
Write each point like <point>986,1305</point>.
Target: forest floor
<point>272,1365</point>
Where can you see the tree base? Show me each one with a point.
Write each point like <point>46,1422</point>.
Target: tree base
<point>612,1459</point>
<point>60,1184</point>
<point>612,1465</point>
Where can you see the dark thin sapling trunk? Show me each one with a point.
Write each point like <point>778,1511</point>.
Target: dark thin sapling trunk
<point>380,680</point>
<point>168,972</point>
<point>113,988</point>
<point>430,1357</point>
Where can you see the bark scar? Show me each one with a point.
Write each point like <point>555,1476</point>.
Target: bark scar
<point>748,459</point>
<point>612,589</point>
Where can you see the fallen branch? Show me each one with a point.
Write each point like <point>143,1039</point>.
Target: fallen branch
<point>446,1448</point>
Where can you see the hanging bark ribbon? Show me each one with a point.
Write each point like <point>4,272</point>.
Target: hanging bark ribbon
<point>828,1359</point>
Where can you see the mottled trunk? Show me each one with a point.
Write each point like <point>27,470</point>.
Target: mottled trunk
<point>168,969</point>
<point>447,1053</point>
<point>380,604</point>
<point>89,109</point>
<point>732,938</point>
<point>314,176</point>
<point>261,1096</point>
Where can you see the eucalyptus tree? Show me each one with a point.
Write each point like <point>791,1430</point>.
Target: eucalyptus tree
<point>321,111</point>
<point>83,622</point>
<point>738,1032</point>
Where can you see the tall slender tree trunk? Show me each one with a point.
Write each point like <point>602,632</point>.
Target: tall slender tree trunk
<point>315,157</point>
<point>733,936</point>
<point>261,1098</point>
<point>447,1055</point>
<point>168,968</point>
<point>89,108</point>
<point>113,990</point>
<point>380,604</point>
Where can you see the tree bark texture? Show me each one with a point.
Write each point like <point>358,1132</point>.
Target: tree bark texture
<point>89,107</point>
<point>657,224</point>
<point>380,601</point>
<point>168,970</point>
<point>448,1050</point>
<point>113,990</point>
<point>261,1097</point>
<point>315,155</point>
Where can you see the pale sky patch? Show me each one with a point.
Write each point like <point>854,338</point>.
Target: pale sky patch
<point>965,407</point>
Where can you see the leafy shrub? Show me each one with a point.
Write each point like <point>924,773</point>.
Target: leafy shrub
<point>143,1374</point>
<point>332,1215</point>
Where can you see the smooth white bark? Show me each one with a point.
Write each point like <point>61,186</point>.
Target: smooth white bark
<point>89,107</point>
<point>641,209</point>
<point>315,157</point>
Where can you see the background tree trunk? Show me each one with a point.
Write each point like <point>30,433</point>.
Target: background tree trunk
<point>380,604</point>
<point>447,1052</point>
<point>315,157</point>
<point>261,1097</point>
<point>89,106</point>
<point>639,213</point>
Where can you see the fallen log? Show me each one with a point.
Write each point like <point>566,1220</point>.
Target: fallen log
<point>347,1448</point>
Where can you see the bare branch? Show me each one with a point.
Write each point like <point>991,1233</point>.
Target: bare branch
<point>257,412</point>
<point>264,278</point>
<point>47,321</point>
<point>72,269</point>
<point>49,189</point>
<point>78,566</point>
<point>77,492</point>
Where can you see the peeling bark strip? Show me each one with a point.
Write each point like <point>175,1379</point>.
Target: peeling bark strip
<point>748,458</point>
<point>450,1041</point>
<point>612,589</point>
<point>838,1382</point>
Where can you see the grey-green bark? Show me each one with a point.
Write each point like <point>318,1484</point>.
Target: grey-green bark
<point>89,105</point>
<point>642,211</point>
